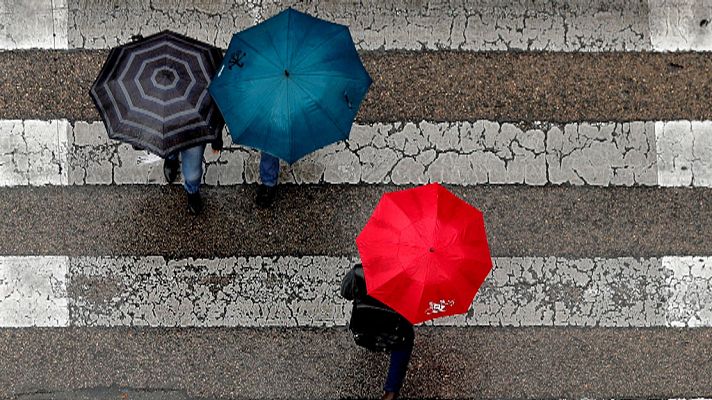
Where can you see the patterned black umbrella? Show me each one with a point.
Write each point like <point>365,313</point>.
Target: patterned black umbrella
<point>153,93</point>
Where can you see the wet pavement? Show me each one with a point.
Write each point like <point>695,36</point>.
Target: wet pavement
<point>610,298</point>
<point>433,86</point>
<point>272,363</point>
<point>325,219</point>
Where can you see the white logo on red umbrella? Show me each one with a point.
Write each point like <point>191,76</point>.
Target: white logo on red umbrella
<point>439,307</point>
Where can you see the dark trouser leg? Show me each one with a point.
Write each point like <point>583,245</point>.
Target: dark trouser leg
<point>398,367</point>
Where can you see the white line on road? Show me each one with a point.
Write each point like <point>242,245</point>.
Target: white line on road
<point>303,291</point>
<point>33,291</point>
<point>665,153</point>
<point>684,153</point>
<point>478,25</point>
<point>33,24</point>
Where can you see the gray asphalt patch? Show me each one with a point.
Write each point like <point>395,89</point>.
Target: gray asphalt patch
<point>324,220</point>
<point>435,86</point>
<point>519,363</point>
<point>111,393</point>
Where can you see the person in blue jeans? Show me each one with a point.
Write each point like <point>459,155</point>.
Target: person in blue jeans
<point>269,172</point>
<point>191,161</point>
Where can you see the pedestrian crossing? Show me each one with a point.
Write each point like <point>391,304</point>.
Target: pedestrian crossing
<point>52,291</point>
<point>481,25</point>
<point>597,225</point>
<point>639,153</point>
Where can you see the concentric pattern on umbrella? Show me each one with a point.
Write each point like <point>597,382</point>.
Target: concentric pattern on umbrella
<point>424,252</point>
<point>153,93</point>
<point>290,85</point>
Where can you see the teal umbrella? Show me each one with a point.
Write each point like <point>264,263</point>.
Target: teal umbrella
<point>290,85</point>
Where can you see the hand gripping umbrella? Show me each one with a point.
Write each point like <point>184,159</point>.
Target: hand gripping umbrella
<point>290,85</point>
<point>153,93</point>
<point>424,253</point>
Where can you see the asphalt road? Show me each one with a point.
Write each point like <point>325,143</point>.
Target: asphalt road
<point>436,86</point>
<point>324,220</point>
<point>489,363</point>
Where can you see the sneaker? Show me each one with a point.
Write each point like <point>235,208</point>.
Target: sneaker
<point>265,196</point>
<point>195,203</point>
<point>170,169</point>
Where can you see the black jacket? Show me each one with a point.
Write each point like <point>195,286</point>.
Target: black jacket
<point>374,325</point>
<point>353,287</point>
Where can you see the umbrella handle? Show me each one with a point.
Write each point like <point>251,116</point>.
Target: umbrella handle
<point>348,101</point>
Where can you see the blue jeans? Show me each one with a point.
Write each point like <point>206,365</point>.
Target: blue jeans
<point>400,357</point>
<point>269,169</point>
<point>191,166</point>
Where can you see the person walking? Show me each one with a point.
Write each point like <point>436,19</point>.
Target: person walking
<point>378,327</point>
<point>269,173</point>
<point>191,161</point>
<point>152,94</point>
<point>291,97</point>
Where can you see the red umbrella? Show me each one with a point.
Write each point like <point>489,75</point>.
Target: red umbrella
<point>424,252</point>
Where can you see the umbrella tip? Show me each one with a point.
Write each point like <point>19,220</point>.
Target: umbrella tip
<point>432,250</point>
<point>286,73</point>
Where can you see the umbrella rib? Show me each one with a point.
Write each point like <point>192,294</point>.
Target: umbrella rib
<point>266,98</point>
<point>323,110</point>
<point>395,203</point>
<point>428,272</point>
<point>271,42</point>
<point>289,20</point>
<point>318,46</point>
<point>260,78</point>
<point>436,226</point>
<point>326,75</point>
<point>269,60</point>
<point>290,122</point>
<point>305,34</point>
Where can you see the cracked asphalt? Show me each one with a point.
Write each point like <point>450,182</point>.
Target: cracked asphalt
<point>434,86</point>
<point>555,25</point>
<point>463,153</point>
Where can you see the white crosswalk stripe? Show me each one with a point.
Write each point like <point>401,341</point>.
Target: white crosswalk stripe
<point>303,291</point>
<point>601,25</point>
<point>664,153</point>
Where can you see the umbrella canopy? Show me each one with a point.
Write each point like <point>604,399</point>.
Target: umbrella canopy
<point>290,85</point>
<point>153,94</point>
<point>424,253</point>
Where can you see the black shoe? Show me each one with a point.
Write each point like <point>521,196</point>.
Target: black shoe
<point>265,195</point>
<point>389,396</point>
<point>170,169</point>
<point>195,203</point>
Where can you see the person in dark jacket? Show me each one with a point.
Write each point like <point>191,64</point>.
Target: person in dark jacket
<point>191,160</point>
<point>353,287</point>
